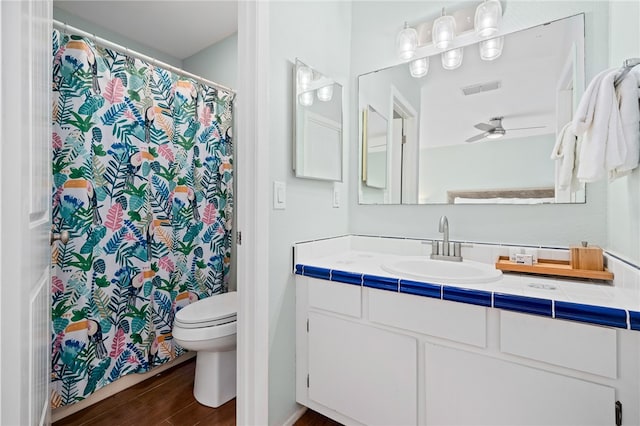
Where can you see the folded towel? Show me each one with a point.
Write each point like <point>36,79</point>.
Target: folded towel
<point>565,152</point>
<point>627,94</point>
<point>603,148</point>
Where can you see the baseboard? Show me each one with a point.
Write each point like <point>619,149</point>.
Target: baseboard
<point>295,416</point>
<point>115,387</point>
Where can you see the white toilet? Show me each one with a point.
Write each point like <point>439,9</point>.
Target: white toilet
<point>208,326</point>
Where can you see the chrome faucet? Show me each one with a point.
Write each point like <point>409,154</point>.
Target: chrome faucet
<point>445,250</point>
<point>443,227</point>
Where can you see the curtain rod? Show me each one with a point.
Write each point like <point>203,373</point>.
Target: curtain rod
<point>110,45</point>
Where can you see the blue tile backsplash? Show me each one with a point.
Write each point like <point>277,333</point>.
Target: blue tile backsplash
<point>421,289</point>
<point>529,305</point>
<point>346,277</point>
<point>600,315</point>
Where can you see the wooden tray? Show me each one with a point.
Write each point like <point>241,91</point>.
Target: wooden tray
<point>552,267</point>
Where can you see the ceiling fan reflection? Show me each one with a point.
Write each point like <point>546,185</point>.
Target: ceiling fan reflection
<point>494,130</point>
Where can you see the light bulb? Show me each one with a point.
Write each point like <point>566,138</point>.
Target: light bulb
<point>305,77</point>
<point>419,67</point>
<point>306,98</point>
<point>452,59</point>
<point>444,31</point>
<point>488,18</point>
<point>325,93</point>
<point>491,49</point>
<point>406,43</point>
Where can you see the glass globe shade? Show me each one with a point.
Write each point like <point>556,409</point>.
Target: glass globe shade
<point>419,67</point>
<point>444,31</point>
<point>306,98</point>
<point>305,77</point>
<point>452,59</point>
<point>491,49</point>
<point>488,18</point>
<point>325,93</point>
<point>406,43</point>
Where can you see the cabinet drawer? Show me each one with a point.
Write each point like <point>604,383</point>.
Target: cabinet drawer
<point>458,322</point>
<point>588,348</point>
<point>335,297</point>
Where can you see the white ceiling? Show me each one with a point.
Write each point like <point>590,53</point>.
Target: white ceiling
<point>177,28</point>
<point>529,69</point>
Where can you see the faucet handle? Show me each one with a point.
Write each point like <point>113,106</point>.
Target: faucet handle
<point>434,247</point>
<point>457,248</point>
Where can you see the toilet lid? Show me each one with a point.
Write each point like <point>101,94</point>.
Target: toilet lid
<point>211,311</point>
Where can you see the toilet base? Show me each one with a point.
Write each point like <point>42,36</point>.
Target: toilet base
<point>215,379</point>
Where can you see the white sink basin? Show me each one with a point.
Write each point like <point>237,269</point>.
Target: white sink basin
<point>443,271</point>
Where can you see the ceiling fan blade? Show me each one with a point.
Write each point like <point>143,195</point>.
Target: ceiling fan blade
<point>484,126</point>
<point>526,128</point>
<point>477,137</point>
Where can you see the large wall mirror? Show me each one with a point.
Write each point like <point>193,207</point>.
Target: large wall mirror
<point>317,152</point>
<point>483,132</point>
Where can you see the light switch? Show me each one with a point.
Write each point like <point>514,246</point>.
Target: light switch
<point>336,195</point>
<point>279,195</point>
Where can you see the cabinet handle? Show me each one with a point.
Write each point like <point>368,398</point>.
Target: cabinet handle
<point>618,413</point>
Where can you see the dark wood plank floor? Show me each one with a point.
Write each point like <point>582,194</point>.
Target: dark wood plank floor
<point>167,400</point>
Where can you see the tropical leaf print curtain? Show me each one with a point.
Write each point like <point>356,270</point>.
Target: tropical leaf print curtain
<point>142,172</point>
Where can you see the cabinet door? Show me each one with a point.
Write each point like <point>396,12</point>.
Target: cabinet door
<point>464,388</point>
<point>362,372</point>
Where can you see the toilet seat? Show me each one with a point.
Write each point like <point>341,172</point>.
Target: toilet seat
<point>213,311</point>
<point>205,334</point>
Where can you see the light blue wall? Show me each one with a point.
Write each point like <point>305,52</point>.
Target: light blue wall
<point>473,166</point>
<point>623,198</point>
<point>318,33</point>
<point>218,62</point>
<point>374,28</point>
<point>82,24</point>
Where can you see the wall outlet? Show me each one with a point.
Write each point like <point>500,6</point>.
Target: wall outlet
<point>336,195</point>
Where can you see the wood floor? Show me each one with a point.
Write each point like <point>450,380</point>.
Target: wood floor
<point>166,400</point>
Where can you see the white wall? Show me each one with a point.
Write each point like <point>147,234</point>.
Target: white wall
<point>75,21</point>
<point>623,198</point>
<point>375,26</point>
<point>474,166</point>
<point>317,32</point>
<point>218,62</point>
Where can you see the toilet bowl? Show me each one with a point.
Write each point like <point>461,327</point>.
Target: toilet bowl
<point>208,326</point>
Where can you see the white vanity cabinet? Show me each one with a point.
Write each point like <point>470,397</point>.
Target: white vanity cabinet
<point>378,357</point>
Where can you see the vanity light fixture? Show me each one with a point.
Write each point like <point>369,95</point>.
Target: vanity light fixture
<point>452,59</point>
<point>419,67</point>
<point>305,77</point>
<point>325,93</point>
<point>491,49</point>
<point>406,43</point>
<point>444,31</point>
<point>488,18</point>
<point>306,98</point>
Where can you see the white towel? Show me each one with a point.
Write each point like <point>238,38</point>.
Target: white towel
<point>628,93</point>
<point>565,152</point>
<point>603,148</point>
<point>583,117</point>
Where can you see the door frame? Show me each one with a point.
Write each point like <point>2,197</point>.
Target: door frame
<point>252,203</point>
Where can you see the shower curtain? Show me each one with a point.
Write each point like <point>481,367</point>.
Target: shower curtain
<point>142,182</point>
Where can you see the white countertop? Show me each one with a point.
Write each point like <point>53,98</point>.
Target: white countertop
<point>544,287</point>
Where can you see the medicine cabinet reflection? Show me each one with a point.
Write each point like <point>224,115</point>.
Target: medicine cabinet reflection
<point>318,144</point>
